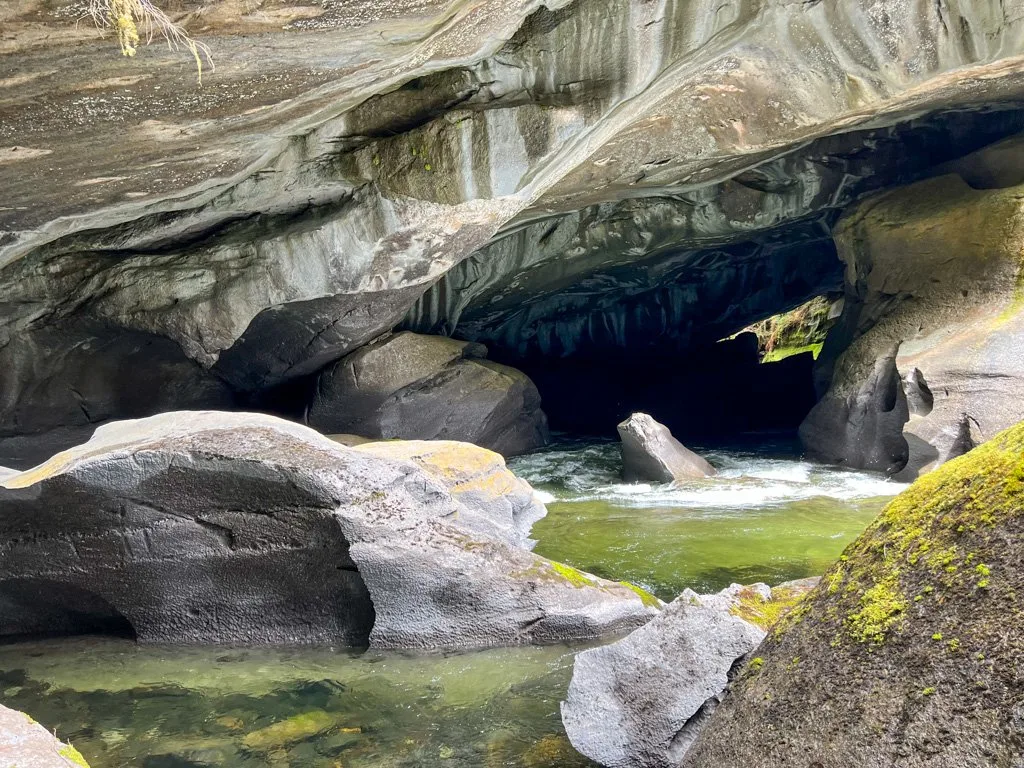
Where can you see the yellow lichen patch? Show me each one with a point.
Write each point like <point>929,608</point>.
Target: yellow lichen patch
<point>464,467</point>
<point>73,756</point>
<point>576,578</point>
<point>753,607</point>
<point>649,600</point>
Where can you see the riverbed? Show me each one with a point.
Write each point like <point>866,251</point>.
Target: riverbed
<point>767,516</point>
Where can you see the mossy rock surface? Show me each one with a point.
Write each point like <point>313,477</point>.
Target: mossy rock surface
<point>909,651</point>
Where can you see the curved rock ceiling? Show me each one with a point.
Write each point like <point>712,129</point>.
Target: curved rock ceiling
<point>549,177</point>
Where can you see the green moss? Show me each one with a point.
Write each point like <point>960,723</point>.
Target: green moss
<point>751,606</point>
<point>881,607</point>
<point>928,692</point>
<point>919,533</point>
<point>649,600</point>
<point>73,756</point>
<point>576,578</point>
<point>756,663</point>
<point>781,353</point>
<point>937,636</point>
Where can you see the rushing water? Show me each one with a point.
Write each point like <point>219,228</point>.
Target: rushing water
<point>764,517</point>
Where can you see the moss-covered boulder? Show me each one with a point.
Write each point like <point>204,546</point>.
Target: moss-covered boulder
<point>24,743</point>
<point>908,653</point>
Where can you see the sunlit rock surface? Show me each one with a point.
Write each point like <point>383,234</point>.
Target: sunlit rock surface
<point>24,743</point>
<point>208,527</point>
<point>595,165</point>
<point>907,651</point>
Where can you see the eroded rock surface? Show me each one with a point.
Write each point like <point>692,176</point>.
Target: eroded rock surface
<point>934,276</point>
<point>607,172</point>
<point>220,527</point>
<point>418,387</point>
<point>904,654</point>
<point>651,454</point>
<point>24,743</point>
<point>477,478</point>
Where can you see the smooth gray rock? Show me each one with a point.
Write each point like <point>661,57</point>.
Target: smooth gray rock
<point>651,454</point>
<point>418,387</point>
<point>863,429</point>
<point>208,527</point>
<point>639,702</point>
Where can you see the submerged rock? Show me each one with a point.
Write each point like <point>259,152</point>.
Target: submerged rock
<point>650,453</point>
<point>908,652</point>
<point>24,743</point>
<point>639,702</point>
<point>419,387</point>
<point>218,527</point>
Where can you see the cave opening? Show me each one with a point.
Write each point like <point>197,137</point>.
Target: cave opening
<point>43,608</point>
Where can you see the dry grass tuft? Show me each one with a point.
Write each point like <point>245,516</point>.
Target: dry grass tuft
<point>135,20</point>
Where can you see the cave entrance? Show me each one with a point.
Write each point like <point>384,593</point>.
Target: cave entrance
<point>49,608</point>
<point>757,381</point>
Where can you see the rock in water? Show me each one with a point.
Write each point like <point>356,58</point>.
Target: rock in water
<point>650,453</point>
<point>419,387</point>
<point>220,527</point>
<point>639,702</point>
<point>908,652</point>
<point>24,743</point>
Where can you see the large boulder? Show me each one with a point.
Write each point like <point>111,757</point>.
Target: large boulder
<point>24,743</point>
<point>651,454</point>
<point>417,387</point>
<point>933,295</point>
<point>218,527</point>
<point>908,652</point>
<point>639,702</point>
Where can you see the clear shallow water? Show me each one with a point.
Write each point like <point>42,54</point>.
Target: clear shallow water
<point>764,518</point>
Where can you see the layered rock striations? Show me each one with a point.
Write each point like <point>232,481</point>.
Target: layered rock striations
<point>596,167</point>
<point>926,360</point>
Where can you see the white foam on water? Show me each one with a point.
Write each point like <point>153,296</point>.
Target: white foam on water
<point>591,472</point>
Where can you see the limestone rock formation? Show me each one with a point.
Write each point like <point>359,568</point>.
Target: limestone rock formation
<point>477,478</point>
<point>651,454</point>
<point>220,527</point>
<point>24,743</point>
<point>418,387</point>
<point>550,177</point>
<point>907,653</point>
<point>934,276</point>
<point>639,702</point>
